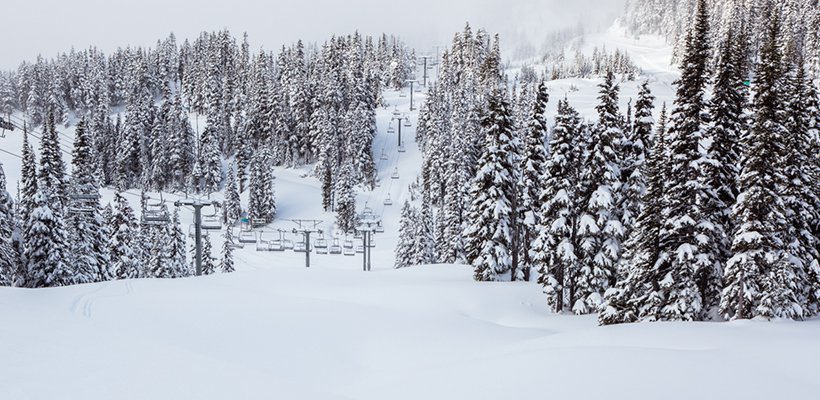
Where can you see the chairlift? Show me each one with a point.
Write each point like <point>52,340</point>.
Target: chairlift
<point>212,222</point>
<point>349,252</point>
<point>383,156</point>
<point>402,149</point>
<point>259,222</point>
<point>348,244</point>
<point>5,125</point>
<point>395,174</point>
<point>360,248</point>
<point>402,94</point>
<point>277,244</point>
<point>379,227</point>
<point>300,247</point>
<point>407,123</point>
<point>320,245</point>
<point>388,201</point>
<point>335,248</point>
<point>390,129</point>
<point>247,236</point>
<point>357,234</point>
<point>156,213</point>
<point>261,243</point>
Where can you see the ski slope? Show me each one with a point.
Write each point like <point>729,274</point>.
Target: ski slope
<point>275,329</point>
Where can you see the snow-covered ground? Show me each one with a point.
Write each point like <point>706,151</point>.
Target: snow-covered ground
<point>420,333</point>
<point>275,329</point>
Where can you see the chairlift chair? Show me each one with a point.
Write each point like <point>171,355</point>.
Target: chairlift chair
<point>247,237</point>
<point>300,247</point>
<point>156,213</point>
<point>390,129</point>
<point>388,201</point>
<point>259,222</point>
<point>402,149</point>
<point>261,243</point>
<point>212,222</point>
<point>5,125</point>
<point>407,123</point>
<point>359,247</point>
<point>348,244</point>
<point>402,94</point>
<point>395,174</point>
<point>320,245</point>
<point>335,248</point>
<point>349,252</point>
<point>383,156</point>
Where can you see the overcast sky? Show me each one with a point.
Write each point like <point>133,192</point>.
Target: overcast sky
<point>47,27</point>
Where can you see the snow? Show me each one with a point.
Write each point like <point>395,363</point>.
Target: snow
<point>275,329</point>
<point>284,331</point>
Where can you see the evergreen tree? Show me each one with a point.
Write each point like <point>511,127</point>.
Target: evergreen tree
<point>227,265</point>
<point>425,241</point>
<point>233,205</point>
<point>405,249</point>
<point>555,251</point>
<point>490,218</point>
<point>46,236</point>
<point>633,171</point>
<point>532,172</point>
<point>88,247</point>
<point>639,294</point>
<point>8,256</point>
<point>262,204</point>
<point>177,248</point>
<point>760,281</point>
<point>683,299</point>
<point>345,200</point>
<point>124,256</point>
<point>600,230</point>
<point>208,265</point>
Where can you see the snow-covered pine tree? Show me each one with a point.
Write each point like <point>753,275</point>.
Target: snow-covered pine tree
<point>533,167</point>
<point>89,243</point>
<point>8,255</point>
<point>124,257</point>
<point>491,213</point>
<point>555,249</point>
<point>405,249</point>
<point>638,295</point>
<point>46,235</point>
<point>345,200</point>
<point>209,160</point>
<point>208,261</point>
<point>233,205</point>
<point>683,300</point>
<point>800,170</point>
<point>600,230</point>
<point>759,280</point>
<point>262,204</point>
<point>635,156</point>
<point>176,248</point>
<point>226,265</point>
<point>425,241</point>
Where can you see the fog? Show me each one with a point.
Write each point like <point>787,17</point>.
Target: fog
<point>47,27</point>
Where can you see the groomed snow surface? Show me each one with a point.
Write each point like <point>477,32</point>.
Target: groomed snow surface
<point>277,330</point>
